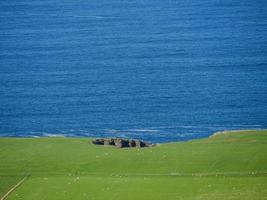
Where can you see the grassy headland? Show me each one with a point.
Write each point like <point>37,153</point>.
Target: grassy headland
<point>224,166</point>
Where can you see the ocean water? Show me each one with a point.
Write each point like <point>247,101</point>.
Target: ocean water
<point>156,70</point>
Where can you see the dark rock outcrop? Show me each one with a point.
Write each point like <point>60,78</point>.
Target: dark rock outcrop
<point>132,143</point>
<point>109,141</point>
<point>121,143</point>
<point>98,141</point>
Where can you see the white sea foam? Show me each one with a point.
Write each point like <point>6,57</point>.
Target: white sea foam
<point>111,130</point>
<point>53,135</point>
<point>206,126</point>
<point>143,130</point>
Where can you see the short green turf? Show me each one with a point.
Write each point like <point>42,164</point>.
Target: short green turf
<point>231,165</point>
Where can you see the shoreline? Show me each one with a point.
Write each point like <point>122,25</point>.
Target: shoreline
<point>234,131</point>
<point>213,135</point>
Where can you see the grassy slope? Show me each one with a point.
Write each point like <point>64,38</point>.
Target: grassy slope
<point>71,168</point>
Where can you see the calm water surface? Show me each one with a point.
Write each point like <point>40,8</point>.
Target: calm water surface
<point>156,70</point>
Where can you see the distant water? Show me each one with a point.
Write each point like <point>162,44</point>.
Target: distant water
<point>156,70</point>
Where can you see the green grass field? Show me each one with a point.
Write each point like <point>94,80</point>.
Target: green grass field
<point>225,166</point>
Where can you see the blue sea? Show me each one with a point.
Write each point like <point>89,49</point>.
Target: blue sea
<point>156,70</point>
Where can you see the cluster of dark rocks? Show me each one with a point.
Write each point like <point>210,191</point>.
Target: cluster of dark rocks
<point>121,143</point>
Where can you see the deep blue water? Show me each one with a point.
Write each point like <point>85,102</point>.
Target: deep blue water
<point>156,70</point>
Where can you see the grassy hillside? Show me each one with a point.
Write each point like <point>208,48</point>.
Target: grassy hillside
<point>225,166</point>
